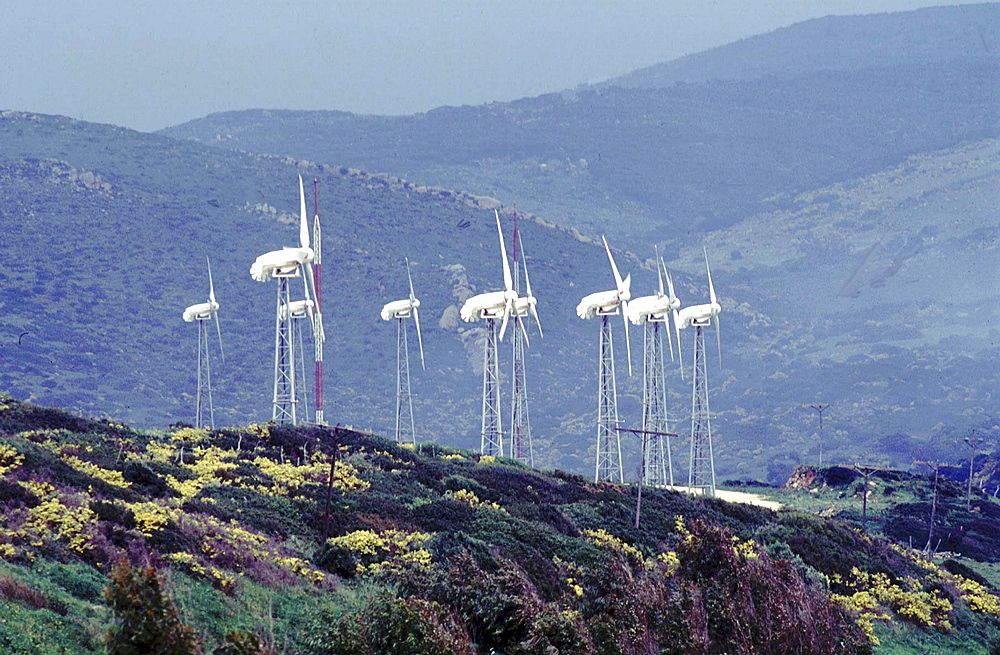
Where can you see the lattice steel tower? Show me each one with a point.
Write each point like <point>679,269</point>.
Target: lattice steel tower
<point>659,469</point>
<point>701,475</point>
<point>285,399</point>
<point>492,434</point>
<point>609,447</point>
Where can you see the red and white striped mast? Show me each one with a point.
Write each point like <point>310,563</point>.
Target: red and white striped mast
<point>318,333</point>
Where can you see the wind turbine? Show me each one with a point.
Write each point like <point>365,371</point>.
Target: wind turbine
<point>202,313</point>
<point>490,307</point>
<point>653,313</point>
<point>701,474</point>
<point>606,304</point>
<point>520,423</point>
<point>283,265</point>
<point>402,310</point>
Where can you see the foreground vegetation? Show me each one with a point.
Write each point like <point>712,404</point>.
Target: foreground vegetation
<point>235,541</point>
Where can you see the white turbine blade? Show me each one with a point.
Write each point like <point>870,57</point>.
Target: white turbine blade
<point>670,281</point>
<point>659,274</point>
<point>506,316</point>
<point>307,278</point>
<point>625,286</point>
<point>677,333</point>
<point>303,225</point>
<point>670,340</point>
<point>711,288</point>
<point>524,263</point>
<point>218,329</point>
<point>413,296</point>
<point>508,281</point>
<point>718,337</point>
<point>211,285</point>
<point>524,331</point>
<point>420,340</point>
<point>538,321</point>
<point>614,267</point>
<point>628,344</point>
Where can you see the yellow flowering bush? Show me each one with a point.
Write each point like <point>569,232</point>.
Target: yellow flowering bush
<point>288,477</point>
<point>470,497</point>
<point>605,539</point>
<point>54,520</point>
<point>10,459</point>
<point>874,591</point>
<point>377,550</point>
<point>150,517</point>
<point>114,478</point>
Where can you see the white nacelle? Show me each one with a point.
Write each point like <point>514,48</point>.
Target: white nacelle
<point>697,314</point>
<point>297,309</point>
<point>645,308</point>
<point>399,309</point>
<point>201,312</point>
<point>599,303</point>
<point>484,305</point>
<point>522,306</point>
<point>281,263</point>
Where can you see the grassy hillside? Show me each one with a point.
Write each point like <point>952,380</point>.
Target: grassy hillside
<point>452,553</point>
<point>929,35</point>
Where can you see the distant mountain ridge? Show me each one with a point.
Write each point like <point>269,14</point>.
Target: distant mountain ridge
<point>928,35</point>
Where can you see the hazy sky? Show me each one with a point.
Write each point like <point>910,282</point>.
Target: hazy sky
<point>148,64</point>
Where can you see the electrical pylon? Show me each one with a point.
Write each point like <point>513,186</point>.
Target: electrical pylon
<point>659,469</point>
<point>609,448</point>
<point>701,474</point>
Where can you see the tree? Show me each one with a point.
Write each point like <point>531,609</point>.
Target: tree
<point>146,621</point>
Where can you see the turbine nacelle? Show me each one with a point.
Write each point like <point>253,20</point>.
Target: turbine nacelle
<point>399,309</point>
<point>203,311</point>
<point>286,262</point>
<point>296,309</point>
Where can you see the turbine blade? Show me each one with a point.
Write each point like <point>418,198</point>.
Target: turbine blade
<point>307,278</point>
<point>218,330</point>
<point>718,337</point>
<point>303,226</point>
<point>524,330</point>
<point>614,267</point>
<point>659,274</point>
<point>413,296</point>
<point>211,285</point>
<point>677,333</point>
<point>420,339</point>
<point>524,263</point>
<point>628,343</point>
<point>506,316</point>
<point>670,341</point>
<point>711,288</point>
<point>670,281</point>
<point>626,285</point>
<point>508,280</point>
<point>538,321</point>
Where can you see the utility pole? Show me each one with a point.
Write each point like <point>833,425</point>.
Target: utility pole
<point>821,407</point>
<point>930,529</point>
<point>866,472</point>
<point>973,444</point>
<point>644,435</point>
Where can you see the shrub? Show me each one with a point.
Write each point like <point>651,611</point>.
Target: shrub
<point>146,621</point>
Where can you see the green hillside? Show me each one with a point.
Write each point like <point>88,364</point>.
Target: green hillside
<point>237,543</point>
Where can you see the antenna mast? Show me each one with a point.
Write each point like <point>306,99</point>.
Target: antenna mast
<point>520,425</point>
<point>318,334</point>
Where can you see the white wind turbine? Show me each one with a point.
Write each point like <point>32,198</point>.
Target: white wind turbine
<point>701,474</point>
<point>653,313</point>
<point>520,423</point>
<point>490,307</point>
<point>606,304</point>
<point>283,265</point>
<point>202,313</point>
<point>400,310</point>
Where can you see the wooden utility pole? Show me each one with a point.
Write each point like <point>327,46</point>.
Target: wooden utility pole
<point>644,436</point>
<point>866,472</point>
<point>936,465</point>
<point>329,485</point>
<point>821,407</point>
<point>973,444</point>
